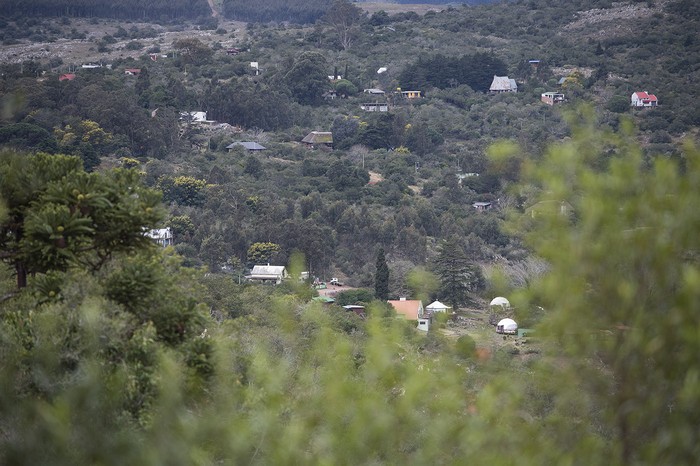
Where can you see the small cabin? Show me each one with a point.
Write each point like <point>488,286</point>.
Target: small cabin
<point>424,324</point>
<point>411,94</point>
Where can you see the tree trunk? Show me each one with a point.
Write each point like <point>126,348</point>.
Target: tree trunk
<point>21,275</point>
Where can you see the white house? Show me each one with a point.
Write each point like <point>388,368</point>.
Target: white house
<point>268,274</point>
<point>551,98</point>
<point>507,326</point>
<point>375,107</point>
<point>162,236</point>
<point>644,99</point>
<point>502,84</point>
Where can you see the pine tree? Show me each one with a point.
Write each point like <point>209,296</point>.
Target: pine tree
<point>458,275</point>
<point>381,278</point>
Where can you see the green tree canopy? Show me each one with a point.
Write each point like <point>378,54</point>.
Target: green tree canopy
<point>60,216</point>
<point>622,293</point>
<point>307,79</point>
<point>344,17</point>
<point>260,253</point>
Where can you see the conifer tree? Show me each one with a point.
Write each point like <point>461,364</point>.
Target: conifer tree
<point>381,278</point>
<point>62,217</point>
<point>458,275</point>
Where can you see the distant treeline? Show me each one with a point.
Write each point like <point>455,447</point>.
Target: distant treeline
<point>296,11</point>
<point>119,9</point>
<point>444,2</point>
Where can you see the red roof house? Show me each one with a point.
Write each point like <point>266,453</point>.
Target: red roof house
<point>408,308</point>
<point>644,99</point>
<point>67,77</point>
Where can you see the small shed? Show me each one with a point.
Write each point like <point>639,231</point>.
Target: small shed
<point>355,308</point>
<point>507,327</point>
<point>248,145</point>
<point>424,323</point>
<point>482,206</point>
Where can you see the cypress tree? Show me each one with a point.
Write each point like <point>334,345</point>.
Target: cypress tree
<point>381,278</point>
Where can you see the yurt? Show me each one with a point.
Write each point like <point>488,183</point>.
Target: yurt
<point>500,301</point>
<point>507,326</point>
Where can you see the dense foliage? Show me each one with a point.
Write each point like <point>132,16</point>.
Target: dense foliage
<point>115,351</point>
<point>120,367</point>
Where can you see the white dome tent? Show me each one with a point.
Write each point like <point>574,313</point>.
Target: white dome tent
<point>500,301</point>
<point>507,326</point>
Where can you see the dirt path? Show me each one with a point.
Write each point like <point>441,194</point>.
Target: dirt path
<point>214,13</point>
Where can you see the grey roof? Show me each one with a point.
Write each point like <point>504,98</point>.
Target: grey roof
<point>503,83</point>
<point>318,137</point>
<point>268,272</point>
<point>247,144</point>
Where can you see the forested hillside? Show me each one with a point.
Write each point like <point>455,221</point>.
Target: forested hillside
<point>439,182</point>
<point>121,9</point>
<point>426,156</point>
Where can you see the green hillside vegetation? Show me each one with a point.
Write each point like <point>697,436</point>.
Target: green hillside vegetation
<point>118,9</point>
<point>114,350</point>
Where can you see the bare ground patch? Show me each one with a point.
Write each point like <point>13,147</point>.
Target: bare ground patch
<point>394,8</point>
<point>75,52</point>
